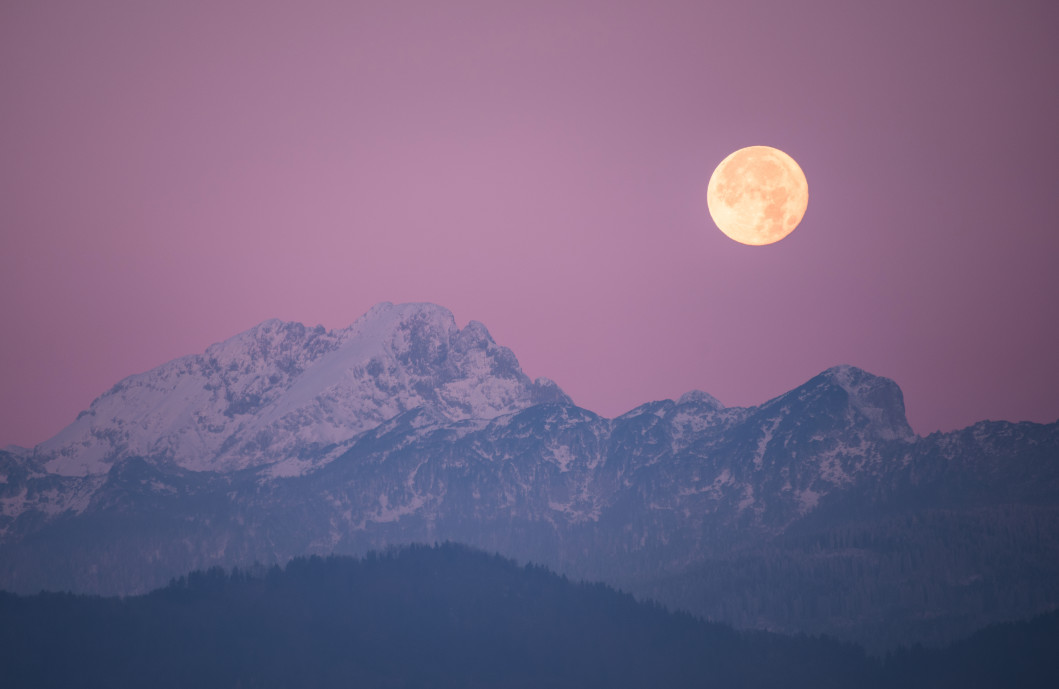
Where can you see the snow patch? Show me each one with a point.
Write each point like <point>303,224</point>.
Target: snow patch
<point>808,499</point>
<point>391,514</point>
<point>561,455</point>
<point>748,498</point>
<point>766,438</point>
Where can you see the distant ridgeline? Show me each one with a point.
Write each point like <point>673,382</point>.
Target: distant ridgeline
<point>817,512</point>
<point>452,617</point>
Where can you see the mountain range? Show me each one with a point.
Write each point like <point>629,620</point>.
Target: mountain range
<point>819,511</point>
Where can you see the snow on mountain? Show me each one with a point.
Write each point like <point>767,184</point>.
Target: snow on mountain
<point>282,389</point>
<point>876,399</point>
<point>851,398</point>
<point>700,397</point>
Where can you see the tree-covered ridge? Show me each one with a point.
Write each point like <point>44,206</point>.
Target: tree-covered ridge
<point>442,616</point>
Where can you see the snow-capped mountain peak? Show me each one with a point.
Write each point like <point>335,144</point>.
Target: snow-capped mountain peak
<point>877,399</point>
<point>255,397</point>
<point>700,398</point>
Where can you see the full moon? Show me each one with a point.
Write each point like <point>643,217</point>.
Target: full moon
<point>757,195</point>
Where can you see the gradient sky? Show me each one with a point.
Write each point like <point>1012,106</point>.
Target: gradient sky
<point>174,173</point>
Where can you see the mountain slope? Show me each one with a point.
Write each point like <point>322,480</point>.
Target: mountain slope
<point>450,616</point>
<point>429,617</point>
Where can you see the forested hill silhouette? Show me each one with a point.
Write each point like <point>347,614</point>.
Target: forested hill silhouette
<point>444,616</point>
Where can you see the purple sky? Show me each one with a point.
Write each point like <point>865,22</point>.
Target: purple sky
<point>172,176</point>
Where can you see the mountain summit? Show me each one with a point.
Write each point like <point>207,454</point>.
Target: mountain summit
<point>282,389</point>
<point>850,398</point>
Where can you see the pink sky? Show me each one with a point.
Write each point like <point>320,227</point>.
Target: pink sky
<point>173,173</point>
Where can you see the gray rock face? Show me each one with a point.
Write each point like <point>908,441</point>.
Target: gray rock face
<point>819,511</point>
